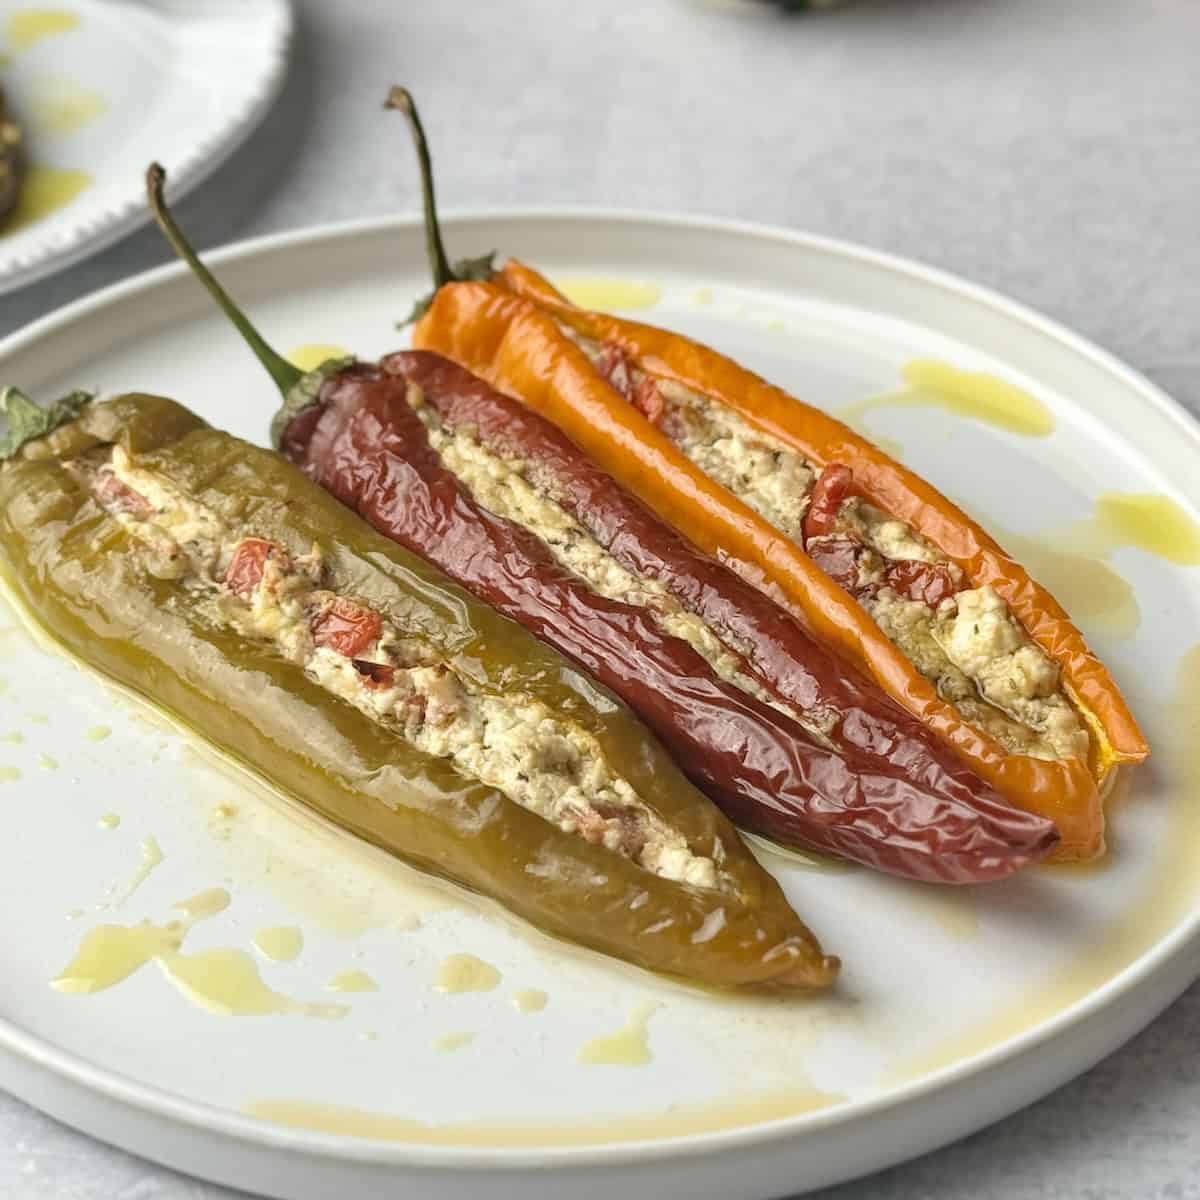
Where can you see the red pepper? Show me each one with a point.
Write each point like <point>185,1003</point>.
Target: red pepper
<point>930,583</point>
<point>838,555</point>
<point>834,486</point>
<point>245,570</point>
<point>838,551</point>
<point>917,813</point>
<point>346,627</point>
<point>118,496</point>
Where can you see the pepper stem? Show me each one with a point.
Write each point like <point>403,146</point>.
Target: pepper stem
<point>285,375</point>
<point>439,264</point>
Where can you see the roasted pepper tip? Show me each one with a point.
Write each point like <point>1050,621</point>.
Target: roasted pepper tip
<point>284,373</point>
<point>809,973</point>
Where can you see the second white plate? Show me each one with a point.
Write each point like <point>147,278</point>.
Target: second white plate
<point>103,87</point>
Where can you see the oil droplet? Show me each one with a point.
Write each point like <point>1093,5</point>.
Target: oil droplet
<point>605,293</point>
<point>111,953</point>
<point>28,26</point>
<point>979,395</point>
<point>702,295</point>
<point>203,905</point>
<point>3,685</point>
<point>311,356</point>
<point>973,394</point>
<point>1070,561</point>
<point>47,762</point>
<point>60,107</point>
<point>280,943</point>
<point>40,718</point>
<point>679,1121</point>
<point>152,856</point>
<point>16,737</point>
<point>628,1047</point>
<point>1150,522</point>
<point>226,982</point>
<point>318,871</point>
<point>529,1000</point>
<point>1091,590</point>
<point>466,973</point>
<point>352,981</point>
<point>109,820</point>
<point>776,326</point>
<point>407,923</point>
<point>98,733</point>
<point>9,774</point>
<point>43,191</point>
<point>449,1042</point>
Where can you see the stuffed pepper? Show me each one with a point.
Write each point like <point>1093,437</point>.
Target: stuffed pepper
<point>215,578</point>
<point>875,562</point>
<point>784,737</point>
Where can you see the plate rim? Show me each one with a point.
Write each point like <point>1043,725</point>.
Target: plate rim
<point>85,238</point>
<point>154,1101</point>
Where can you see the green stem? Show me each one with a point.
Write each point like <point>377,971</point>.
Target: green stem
<point>285,375</point>
<point>439,264</point>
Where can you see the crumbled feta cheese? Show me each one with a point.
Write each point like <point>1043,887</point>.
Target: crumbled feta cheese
<point>538,759</point>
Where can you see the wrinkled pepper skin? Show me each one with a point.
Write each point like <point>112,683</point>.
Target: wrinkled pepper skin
<point>950,827</point>
<point>506,331</point>
<point>369,448</point>
<point>74,568</point>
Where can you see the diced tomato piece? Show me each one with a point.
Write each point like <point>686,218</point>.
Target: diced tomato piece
<point>614,365</point>
<point>346,627</point>
<point>647,399</point>
<point>246,568</point>
<point>930,583</point>
<point>375,675</point>
<point>837,555</point>
<point>117,496</point>
<point>834,485</point>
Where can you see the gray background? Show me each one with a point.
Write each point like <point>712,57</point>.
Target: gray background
<point>1047,148</point>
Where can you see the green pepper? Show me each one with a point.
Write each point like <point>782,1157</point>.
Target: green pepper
<point>83,575</point>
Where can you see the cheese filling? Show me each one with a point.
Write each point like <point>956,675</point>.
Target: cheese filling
<point>969,645</point>
<point>511,487</point>
<point>513,743</point>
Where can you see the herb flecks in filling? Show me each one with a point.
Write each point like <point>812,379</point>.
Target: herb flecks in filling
<point>513,488</point>
<point>513,743</point>
<point>963,639</point>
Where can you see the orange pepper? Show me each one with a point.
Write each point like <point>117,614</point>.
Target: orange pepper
<point>507,331</point>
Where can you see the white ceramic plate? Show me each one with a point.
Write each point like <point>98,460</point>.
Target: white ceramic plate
<point>103,87</point>
<point>954,1008</point>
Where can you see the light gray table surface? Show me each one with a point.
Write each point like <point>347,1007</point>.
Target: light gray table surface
<point>1047,148</point>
